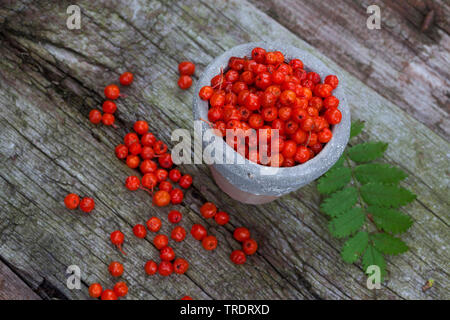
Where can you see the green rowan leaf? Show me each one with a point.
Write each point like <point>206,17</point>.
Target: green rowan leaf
<point>334,180</point>
<point>368,151</point>
<point>388,244</point>
<point>356,128</point>
<point>378,172</point>
<point>347,223</point>
<point>373,257</point>
<point>338,163</point>
<point>339,201</point>
<point>390,220</point>
<point>354,247</point>
<point>381,195</point>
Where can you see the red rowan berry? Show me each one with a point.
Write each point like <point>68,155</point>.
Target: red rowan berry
<point>186,68</point>
<point>154,224</point>
<point>139,231</point>
<point>126,78</point>
<point>87,204</point>
<point>198,232</point>
<point>209,243</point>
<point>238,257</point>
<point>95,116</point>
<point>72,201</point>
<point>112,92</point>
<point>241,234</point>
<point>115,269</point>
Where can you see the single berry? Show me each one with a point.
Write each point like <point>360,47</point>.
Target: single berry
<point>87,204</point>
<point>186,298</point>
<point>222,218</point>
<point>108,294</point>
<point>206,93</point>
<point>249,246</point>
<point>167,254</point>
<point>112,92</point>
<point>186,68</point>
<point>198,232</point>
<point>132,183</point>
<point>95,116</point>
<point>166,186</point>
<point>147,153</point>
<point>161,198</point>
<point>241,234</point>
<point>109,106</point>
<point>141,127</point>
<point>176,196</point>
<point>165,268</point>
<point>121,151</point>
<point>178,234</point>
<point>160,241</point>
<point>135,149</point>
<point>149,180</point>
<point>175,216</point>
<point>159,147</point>
<point>148,139</point>
<point>151,267</point>
<point>238,257</point>
<point>161,175</point>
<point>208,210</point>
<point>333,116</point>
<point>209,243</point>
<point>174,175</point>
<point>185,82</point>
<point>139,231</point>
<point>115,268</point>
<point>133,161</point>
<point>131,138</point>
<point>165,160</point>
<point>180,265</point>
<point>126,78</point>
<point>154,224</point>
<point>120,289</point>
<point>117,239</point>
<point>108,119</point>
<point>148,166</point>
<point>95,290</point>
<point>332,80</point>
<point>72,201</point>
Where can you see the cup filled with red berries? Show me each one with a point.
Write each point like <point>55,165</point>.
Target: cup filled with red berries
<point>278,112</point>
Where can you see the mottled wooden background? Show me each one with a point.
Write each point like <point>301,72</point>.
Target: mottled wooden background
<point>396,79</point>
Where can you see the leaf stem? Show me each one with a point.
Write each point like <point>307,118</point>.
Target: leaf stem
<point>357,185</point>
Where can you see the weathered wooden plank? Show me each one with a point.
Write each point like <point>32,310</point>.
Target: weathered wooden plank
<point>297,259</point>
<point>12,287</point>
<point>398,61</point>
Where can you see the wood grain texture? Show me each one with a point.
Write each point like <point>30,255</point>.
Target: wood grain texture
<point>403,64</point>
<point>12,287</point>
<point>51,77</point>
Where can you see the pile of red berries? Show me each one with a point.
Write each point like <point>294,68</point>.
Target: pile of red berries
<point>112,92</point>
<point>249,245</point>
<point>266,93</point>
<point>199,232</point>
<point>120,290</point>
<point>142,149</point>
<point>72,201</point>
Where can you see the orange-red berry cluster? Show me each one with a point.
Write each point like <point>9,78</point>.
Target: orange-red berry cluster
<point>199,232</point>
<point>120,290</point>
<point>112,92</point>
<point>141,152</point>
<point>266,93</point>
<point>72,201</point>
<point>186,70</point>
